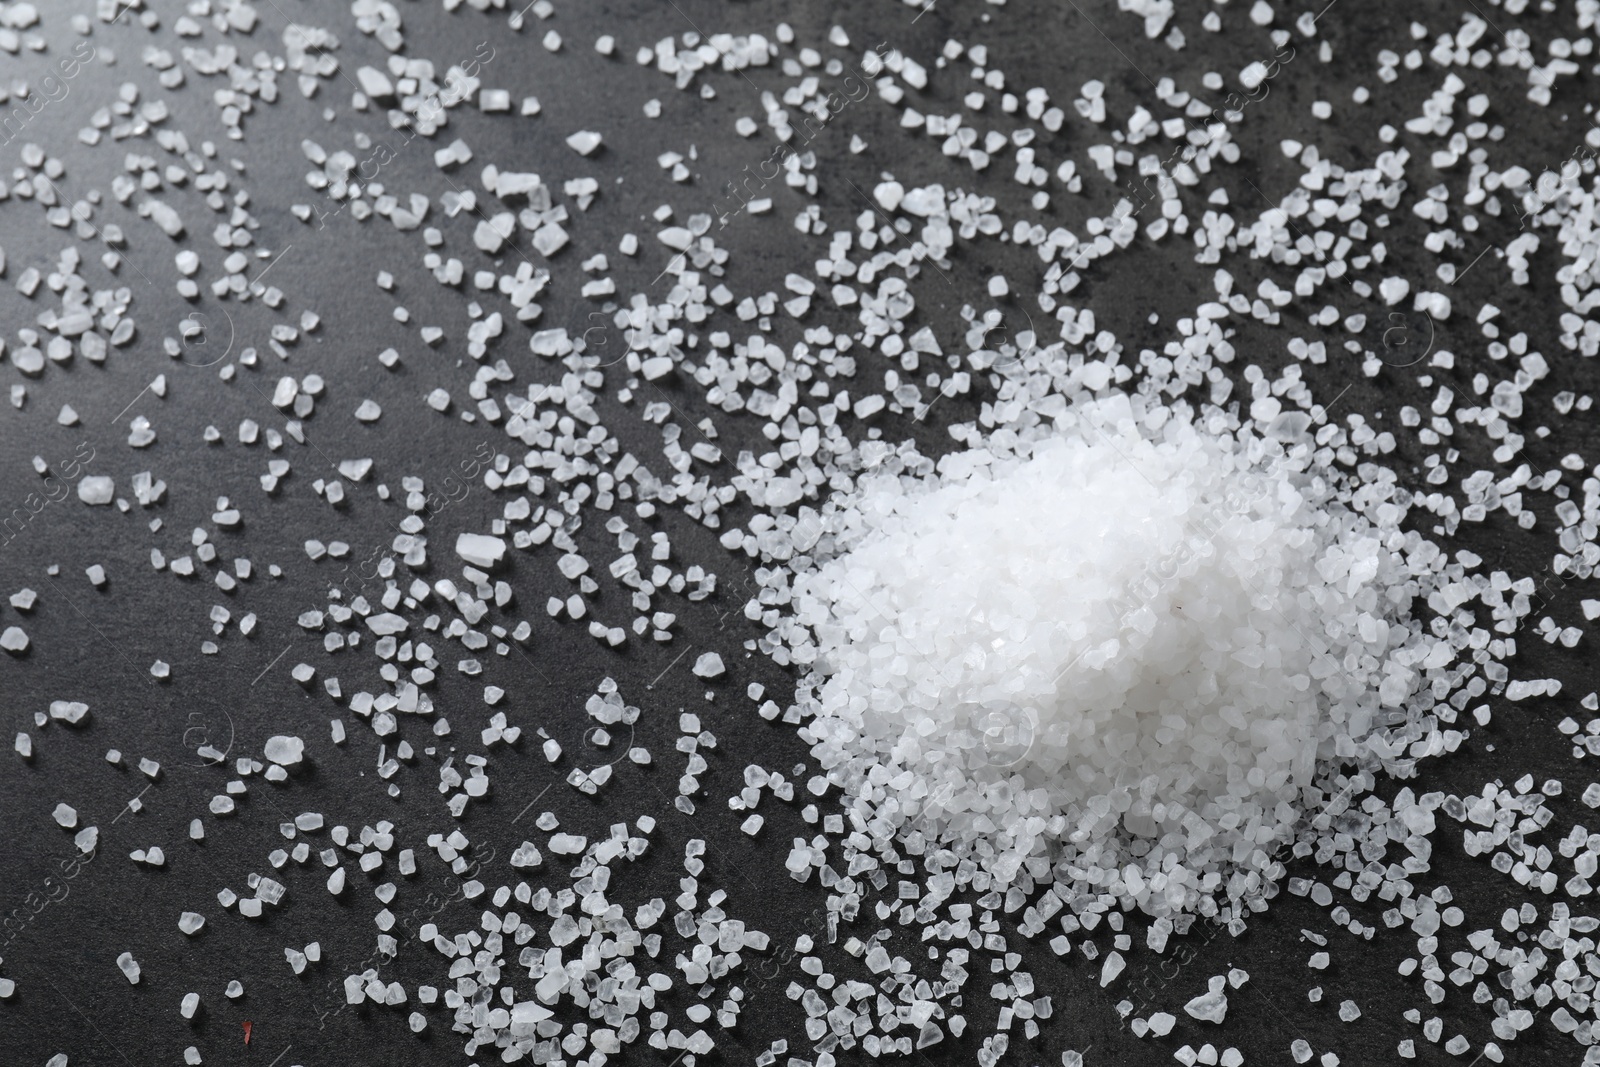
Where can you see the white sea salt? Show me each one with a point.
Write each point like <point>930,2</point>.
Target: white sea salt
<point>284,750</point>
<point>1059,645</point>
<point>584,142</point>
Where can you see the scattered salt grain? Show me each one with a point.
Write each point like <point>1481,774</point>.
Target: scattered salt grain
<point>1212,1005</point>
<point>284,750</point>
<point>584,142</point>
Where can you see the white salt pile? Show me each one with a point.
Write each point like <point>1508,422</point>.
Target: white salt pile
<point>1133,639</point>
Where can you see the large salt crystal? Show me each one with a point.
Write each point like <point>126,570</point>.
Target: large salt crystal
<point>285,751</point>
<point>480,550</point>
<point>96,489</point>
<point>386,624</point>
<point>1212,1005</point>
<point>584,142</point>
